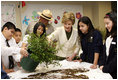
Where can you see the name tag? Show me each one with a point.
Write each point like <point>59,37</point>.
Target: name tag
<point>113,42</point>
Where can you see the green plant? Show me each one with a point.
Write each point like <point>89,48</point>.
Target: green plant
<point>41,49</point>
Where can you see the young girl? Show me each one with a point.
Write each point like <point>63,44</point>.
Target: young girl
<point>110,49</point>
<point>39,30</point>
<point>67,37</point>
<point>91,42</point>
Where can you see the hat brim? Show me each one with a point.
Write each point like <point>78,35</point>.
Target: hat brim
<point>44,16</point>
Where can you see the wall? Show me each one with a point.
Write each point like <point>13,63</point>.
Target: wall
<point>17,13</point>
<point>103,9</point>
<point>56,9</point>
<point>95,10</point>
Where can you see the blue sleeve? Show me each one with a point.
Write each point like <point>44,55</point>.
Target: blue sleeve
<point>82,56</point>
<point>4,74</point>
<point>98,44</point>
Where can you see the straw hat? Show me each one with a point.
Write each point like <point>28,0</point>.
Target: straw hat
<point>46,14</point>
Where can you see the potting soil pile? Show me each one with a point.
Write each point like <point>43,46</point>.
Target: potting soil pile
<point>66,70</point>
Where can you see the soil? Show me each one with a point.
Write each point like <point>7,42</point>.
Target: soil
<point>60,74</point>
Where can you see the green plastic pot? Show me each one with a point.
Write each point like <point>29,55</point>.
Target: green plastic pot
<point>60,58</point>
<point>28,64</point>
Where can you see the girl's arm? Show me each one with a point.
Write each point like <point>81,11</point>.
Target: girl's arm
<point>96,57</point>
<point>98,45</point>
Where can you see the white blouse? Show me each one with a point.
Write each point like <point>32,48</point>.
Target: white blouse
<point>108,43</point>
<point>65,47</point>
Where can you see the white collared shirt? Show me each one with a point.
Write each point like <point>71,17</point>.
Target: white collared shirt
<point>108,43</point>
<point>6,51</point>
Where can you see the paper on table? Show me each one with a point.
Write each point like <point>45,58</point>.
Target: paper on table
<point>92,73</point>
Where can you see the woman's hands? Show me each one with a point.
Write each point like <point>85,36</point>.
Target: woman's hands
<point>78,60</point>
<point>70,58</point>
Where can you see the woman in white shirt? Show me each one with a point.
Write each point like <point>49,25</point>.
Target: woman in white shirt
<point>66,37</point>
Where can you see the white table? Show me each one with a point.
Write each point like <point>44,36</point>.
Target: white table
<point>92,73</point>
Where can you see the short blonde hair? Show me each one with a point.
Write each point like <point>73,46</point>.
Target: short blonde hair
<point>68,16</point>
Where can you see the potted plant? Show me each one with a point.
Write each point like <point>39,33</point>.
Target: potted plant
<point>40,50</point>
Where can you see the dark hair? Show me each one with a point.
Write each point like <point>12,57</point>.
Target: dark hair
<point>17,30</point>
<point>9,25</point>
<point>36,27</point>
<point>113,17</point>
<point>88,22</point>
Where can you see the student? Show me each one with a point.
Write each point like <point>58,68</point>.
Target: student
<point>110,47</point>
<point>91,42</point>
<point>66,37</point>
<point>17,36</point>
<point>39,29</point>
<point>9,47</point>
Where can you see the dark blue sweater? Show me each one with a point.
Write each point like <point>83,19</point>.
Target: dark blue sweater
<point>90,45</point>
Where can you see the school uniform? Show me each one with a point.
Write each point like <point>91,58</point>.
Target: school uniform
<point>65,47</point>
<point>6,51</point>
<point>91,44</point>
<point>110,57</point>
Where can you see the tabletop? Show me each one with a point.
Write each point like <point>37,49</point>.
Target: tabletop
<point>64,64</point>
